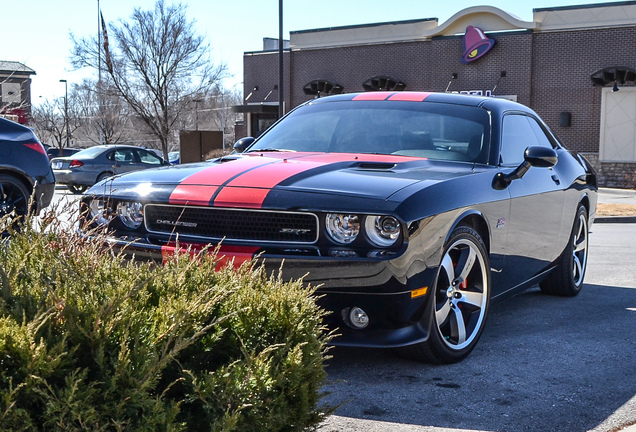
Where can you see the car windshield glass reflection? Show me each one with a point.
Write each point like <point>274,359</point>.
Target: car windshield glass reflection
<point>428,130</point>
<point>89,153</point>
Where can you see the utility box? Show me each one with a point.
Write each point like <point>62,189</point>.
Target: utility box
<point>197,145</point>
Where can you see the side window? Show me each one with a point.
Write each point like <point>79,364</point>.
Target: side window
<point>542,138</point>
<point>148,158</point>
<point>517,135</point>
<point>125,156</point>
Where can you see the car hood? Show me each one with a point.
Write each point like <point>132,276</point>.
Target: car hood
<point>247,180</point>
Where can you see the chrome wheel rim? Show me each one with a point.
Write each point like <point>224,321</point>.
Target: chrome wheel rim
<point>579,250</point>
<point>461,294</point>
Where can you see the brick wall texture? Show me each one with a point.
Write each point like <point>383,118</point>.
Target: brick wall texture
<point>550,72</point>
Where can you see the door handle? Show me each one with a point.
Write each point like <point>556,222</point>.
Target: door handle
<point>556,179</point>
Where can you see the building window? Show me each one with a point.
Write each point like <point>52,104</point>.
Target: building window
<point>11,93</point>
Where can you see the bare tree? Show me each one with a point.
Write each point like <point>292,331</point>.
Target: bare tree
<point>50,123</point>
<point>157,64</point>
<point>106,115</point>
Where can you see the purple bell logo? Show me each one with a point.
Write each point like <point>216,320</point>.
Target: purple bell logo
<point>475,44</point>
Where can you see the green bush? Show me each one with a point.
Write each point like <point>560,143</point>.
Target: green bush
<point>90,340</point>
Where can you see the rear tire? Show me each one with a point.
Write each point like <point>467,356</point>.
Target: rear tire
<point>567,279</point>
<point>459,303</point>
<point>14,196</point>
<point>103,176</point>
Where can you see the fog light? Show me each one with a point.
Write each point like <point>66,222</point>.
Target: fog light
<point>357,318</point>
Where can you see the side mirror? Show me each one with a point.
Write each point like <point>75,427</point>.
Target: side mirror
<point>242,144</point>
<point>534,156</point>
<point>541,157</point>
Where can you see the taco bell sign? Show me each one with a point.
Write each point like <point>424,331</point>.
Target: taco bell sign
<point>475,44</point>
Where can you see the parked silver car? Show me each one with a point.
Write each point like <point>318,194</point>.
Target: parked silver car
<point>82,170</point>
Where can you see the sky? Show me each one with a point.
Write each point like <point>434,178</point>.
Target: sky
<point>37,32</point>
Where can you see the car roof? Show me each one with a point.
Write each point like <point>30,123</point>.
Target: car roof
<point>12,131</point>
<point>489,103</point>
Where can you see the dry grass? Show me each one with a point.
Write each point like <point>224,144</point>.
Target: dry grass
<point>615,210</point>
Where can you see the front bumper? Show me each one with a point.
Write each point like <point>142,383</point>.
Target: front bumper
<point>395,296</point>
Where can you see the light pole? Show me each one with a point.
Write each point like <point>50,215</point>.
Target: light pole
<point>66,110</point>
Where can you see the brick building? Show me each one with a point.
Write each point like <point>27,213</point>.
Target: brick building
<point>15,91</point>
<point>566,64</point>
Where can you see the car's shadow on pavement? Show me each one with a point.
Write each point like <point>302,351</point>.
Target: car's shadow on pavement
<point>543,363</point>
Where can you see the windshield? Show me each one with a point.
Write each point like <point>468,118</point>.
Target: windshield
<point>428,130</point>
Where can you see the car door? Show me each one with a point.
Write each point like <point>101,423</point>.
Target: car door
<point>536,206</point>
<point>126,160</point>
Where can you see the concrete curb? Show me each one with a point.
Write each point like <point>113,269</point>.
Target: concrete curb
<point>612,191</point>
<point>615,219</point>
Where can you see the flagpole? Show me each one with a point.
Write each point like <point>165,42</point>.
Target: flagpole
<point>99,76</point>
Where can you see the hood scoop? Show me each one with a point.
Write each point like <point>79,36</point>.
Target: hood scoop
<point>228,158</point>
<point>375,166</point>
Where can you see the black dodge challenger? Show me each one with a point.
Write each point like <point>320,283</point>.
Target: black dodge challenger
<point>411,211</point>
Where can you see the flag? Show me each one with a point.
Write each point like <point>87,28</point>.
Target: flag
<point>109,63</point>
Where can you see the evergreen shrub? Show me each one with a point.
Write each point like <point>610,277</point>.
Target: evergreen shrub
<point>93,341</point>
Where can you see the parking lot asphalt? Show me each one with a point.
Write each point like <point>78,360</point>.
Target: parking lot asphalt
<point>543,364</point>
<point>617,196</point>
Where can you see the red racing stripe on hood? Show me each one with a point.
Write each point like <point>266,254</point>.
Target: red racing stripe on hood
<point>200,187</point>
<point>250,189</point>
<point>192,194</point>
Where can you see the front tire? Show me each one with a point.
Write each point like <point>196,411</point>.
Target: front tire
<point>460,300</point>
<point>567,279</point>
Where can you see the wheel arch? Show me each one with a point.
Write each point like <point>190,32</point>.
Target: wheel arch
<point>21,176</point>
<point>585,200</point>
<point>475,220</point>
<point>109,173</point>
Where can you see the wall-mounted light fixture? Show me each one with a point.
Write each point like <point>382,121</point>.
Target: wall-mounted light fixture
<point>453,77</point>
<point>270,92</point>
<point>565,119</point>
<point>251,93</point>
<point>502,74</point>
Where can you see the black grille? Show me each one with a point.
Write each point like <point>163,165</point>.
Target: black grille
<point>232,224</point>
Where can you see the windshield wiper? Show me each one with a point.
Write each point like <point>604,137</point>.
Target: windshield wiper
<point>270,149</point>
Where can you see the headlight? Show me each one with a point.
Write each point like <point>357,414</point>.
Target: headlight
<point>100,212</point>
<point>343,228</point>
<point>131,213</point>
<point>383,231</point>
